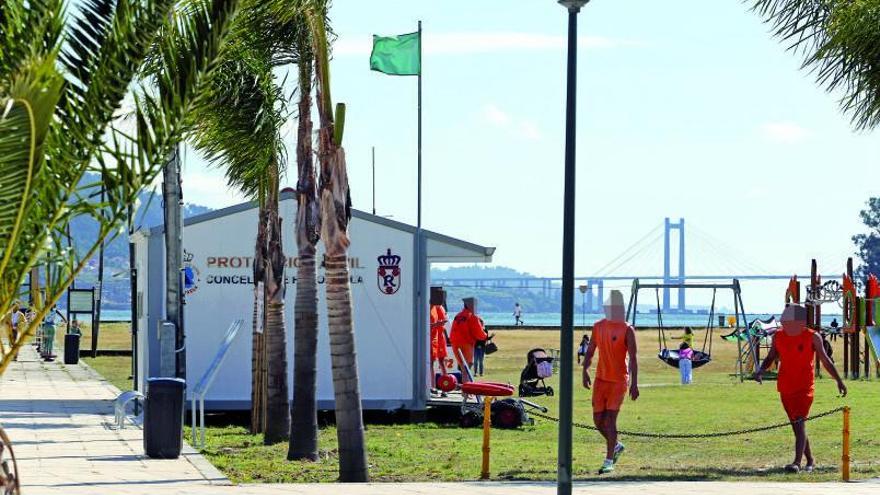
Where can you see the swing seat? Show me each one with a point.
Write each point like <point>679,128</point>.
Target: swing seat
<point>670,357</point>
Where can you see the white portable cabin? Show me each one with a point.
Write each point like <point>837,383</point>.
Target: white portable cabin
<point>392,347</point>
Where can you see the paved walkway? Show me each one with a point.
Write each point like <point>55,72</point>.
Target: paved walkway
<point>60,421</point>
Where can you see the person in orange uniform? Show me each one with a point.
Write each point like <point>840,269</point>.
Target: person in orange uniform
<point>467,329</point>
<point>617,371</point>
<point>796,348</point>
<point>438,330</point>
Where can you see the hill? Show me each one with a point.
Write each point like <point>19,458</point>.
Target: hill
<point>116,292</point>
<point>495,299</point>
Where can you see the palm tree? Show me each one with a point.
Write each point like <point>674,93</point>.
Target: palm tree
<point>62,83</point>
<point>841,44</point>
<point>303,409</point>
<point>239,128</point>
<point>335,202</point>
<point>259,371</point>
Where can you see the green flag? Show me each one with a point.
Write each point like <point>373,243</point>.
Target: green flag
<point>397,55</point>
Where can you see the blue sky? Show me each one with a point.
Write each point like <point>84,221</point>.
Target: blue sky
<point>685,109</point>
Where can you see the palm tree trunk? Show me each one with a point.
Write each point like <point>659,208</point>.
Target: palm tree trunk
<point>277,402</point>
<point>303,409</point>
<point>335,215</point>
<point>258,340</point>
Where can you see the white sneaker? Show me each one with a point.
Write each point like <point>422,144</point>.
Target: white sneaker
<point>618,449</point>
<point>607,466</point>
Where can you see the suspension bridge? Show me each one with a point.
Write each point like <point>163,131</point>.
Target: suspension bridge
<point>723,262</point>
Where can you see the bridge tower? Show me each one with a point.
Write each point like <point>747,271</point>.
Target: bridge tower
<point>594,295</point>
<point>668,278</point>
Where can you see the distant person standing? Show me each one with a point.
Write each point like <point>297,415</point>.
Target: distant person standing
<point>517,315</point>
<point>479,357</point>
<point>582,348</point>
<point>467,330</point>
<point>686,363</point>
<point>438,329</point>
<point>15,320</point>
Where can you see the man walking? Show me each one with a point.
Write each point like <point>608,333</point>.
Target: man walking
<point>617,371</point>
<point>796,348</point>
<point>517,315</point>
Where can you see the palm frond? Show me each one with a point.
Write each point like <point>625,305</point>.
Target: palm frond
<point>28,29</point>
<point>180,67</point>
<point>238,127</point>
<point>840,43</point>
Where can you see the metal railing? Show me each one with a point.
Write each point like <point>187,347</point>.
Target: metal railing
<point>204,384</point>
<point>120,404</point>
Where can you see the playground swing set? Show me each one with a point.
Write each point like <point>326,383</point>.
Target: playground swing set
<point>702,356</point>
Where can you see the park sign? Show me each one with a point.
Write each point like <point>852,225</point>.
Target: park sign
<point>81,301</point>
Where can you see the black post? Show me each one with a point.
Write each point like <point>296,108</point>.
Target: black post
<point>566,344</point>
<point>96,315</point>
<point>72,282</point>
<point>132,282</point>
<point>419,193</point>
<point>174,356</point>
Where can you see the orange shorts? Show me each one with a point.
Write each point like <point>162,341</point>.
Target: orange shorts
<point>438,345</point>
<point>797,405</point>
<point>608,396</point>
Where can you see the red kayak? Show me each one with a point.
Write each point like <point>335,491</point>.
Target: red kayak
<point>489,389</point>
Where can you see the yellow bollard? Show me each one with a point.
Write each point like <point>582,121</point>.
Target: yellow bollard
<point>487,425</point>
<point>844,461</point>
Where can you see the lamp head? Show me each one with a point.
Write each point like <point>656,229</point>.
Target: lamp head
<point>573,5</point>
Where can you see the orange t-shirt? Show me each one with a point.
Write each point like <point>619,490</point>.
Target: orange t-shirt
<point>796,358</point>
<point>466,329</point>
<point>438,333</point>
<point>438,314</point>
<point>610,339</point>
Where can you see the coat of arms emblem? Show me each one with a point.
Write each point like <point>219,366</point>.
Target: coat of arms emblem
<point>388,275</point>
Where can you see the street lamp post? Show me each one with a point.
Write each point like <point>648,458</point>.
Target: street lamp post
<point>566,344</point>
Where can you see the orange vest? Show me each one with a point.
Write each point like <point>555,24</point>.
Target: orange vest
<point>796,362</point>
<point>466,329</point>
<point>610,339</point>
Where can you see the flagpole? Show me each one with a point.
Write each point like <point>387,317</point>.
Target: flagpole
<point>419,198</point>
<point>421,270</point>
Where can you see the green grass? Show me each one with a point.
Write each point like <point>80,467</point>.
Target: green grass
<point>716,402</point>
<point>116,369</point>
<point>110,336</point>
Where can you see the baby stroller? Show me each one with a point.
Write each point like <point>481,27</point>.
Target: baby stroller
<point>531,381</point>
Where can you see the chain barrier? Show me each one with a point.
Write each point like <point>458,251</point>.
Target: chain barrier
<point>697,435</point>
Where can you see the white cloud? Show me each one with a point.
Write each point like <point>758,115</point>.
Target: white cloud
<point>494,115</point>
<point>499,118</point>
<point>784,132</point>
<point>530,130</point>
<point>487,42</point>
